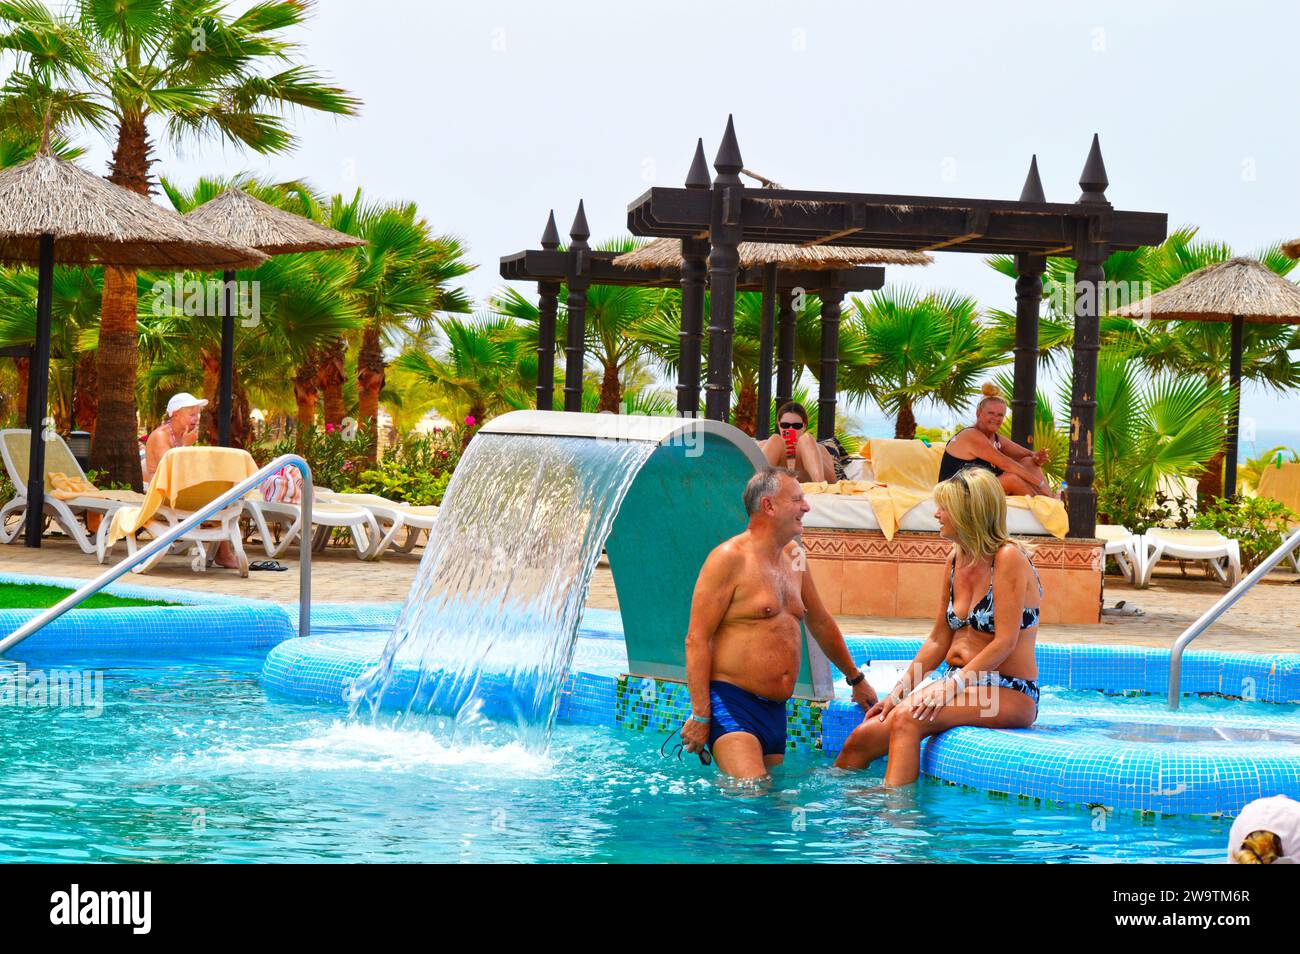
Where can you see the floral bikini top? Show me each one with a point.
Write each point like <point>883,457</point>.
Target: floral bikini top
<point>980,618</point>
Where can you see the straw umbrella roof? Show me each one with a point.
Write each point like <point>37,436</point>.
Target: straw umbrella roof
<point>667,253</point>
<point>95,222</point>
<point>239,217</point>
<point>1238,287</point>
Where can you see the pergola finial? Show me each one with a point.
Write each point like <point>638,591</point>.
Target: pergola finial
<point>1093,179</point>
<point>728,162</point>
<point>698,177</point>
<point>550,235</point>
<point>1033,189</point>
<point>578,231</point>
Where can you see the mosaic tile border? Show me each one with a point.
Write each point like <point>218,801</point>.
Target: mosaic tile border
<point>646,704</point>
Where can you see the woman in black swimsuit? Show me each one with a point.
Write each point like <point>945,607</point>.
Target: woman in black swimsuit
<point>1018,469</point>
<point>984,630</point>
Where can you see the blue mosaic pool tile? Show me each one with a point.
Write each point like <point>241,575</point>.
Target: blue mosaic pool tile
<point>1054,660</point>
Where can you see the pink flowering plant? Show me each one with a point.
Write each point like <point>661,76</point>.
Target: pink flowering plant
<point>336,454</point>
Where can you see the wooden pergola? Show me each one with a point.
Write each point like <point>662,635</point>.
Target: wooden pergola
<point>579,267</point>
<point>712,217</point>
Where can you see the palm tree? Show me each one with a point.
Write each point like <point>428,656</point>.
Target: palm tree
<point>917,347</point>
<point>482,367</point>
<point>1149,427</point>
<point>403,277</point>
<point>305,305</point>
<point>120,67</point>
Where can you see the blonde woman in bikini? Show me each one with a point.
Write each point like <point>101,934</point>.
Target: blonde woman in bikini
<point>985,624</point>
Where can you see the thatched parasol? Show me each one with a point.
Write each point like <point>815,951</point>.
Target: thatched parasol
<point>94,222</point>
<point>52,210</point>
<point>667,253</point>
<point>237,216</point>
<point>1239,290</point>
<point>241,218</point>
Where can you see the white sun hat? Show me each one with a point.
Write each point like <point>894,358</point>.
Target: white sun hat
<point>1278,814</point>
<point>183,400</point>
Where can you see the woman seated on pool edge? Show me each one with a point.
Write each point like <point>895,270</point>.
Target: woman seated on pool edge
<point>1018,469</point>
<point>984,630</point>
<point>812,462</point>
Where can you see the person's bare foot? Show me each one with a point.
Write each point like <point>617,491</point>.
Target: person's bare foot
<point>225,558</point>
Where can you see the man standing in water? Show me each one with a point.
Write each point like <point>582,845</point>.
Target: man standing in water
<point>744,644</point>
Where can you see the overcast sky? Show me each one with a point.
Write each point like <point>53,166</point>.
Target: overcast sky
<point>488,114</point>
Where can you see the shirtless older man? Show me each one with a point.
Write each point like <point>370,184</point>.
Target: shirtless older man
<point>743,646</point>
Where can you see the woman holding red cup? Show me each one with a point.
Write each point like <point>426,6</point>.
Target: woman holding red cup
<point>794,448</point>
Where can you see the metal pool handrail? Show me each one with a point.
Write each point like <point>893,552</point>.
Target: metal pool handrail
<point>1217,610</point>
<point>167,539</point>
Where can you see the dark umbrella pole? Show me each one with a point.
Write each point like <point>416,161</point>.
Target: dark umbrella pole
<point>39,395</point>
<point>1234,422</point>
<point>226,393</point>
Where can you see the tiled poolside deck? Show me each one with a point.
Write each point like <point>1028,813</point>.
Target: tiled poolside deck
<point>1264,621</point>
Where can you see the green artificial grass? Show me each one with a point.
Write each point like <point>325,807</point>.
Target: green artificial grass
<point>40,596</point>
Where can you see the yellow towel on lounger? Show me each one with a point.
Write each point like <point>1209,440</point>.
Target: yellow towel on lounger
<point>1049,511</point>
<point>64,487</point>
<point>187,478</point>
<point>906,472</point>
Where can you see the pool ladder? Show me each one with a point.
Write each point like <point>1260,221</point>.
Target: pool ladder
<point>37,623</point>
<point>1211,615</point>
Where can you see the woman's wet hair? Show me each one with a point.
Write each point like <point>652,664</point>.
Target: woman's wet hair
<point>1258,848</point>
<point>992,393</point>
<point>792,407</point>
<point>977,506</point>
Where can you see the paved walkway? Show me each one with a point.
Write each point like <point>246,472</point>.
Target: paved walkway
<point>1264,621</point>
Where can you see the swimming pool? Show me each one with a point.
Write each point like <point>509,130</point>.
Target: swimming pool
<point>247,754</point>
<point>195,762</point>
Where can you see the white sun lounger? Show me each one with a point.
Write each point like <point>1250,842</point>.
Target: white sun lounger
<point>15,448</point>
<point>285,520</point>
<point>1123,545</point>
<point>1222,553</point>
<point>392,516</point>
<point>180,505</point>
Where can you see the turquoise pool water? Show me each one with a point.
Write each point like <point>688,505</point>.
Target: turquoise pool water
<point>194,762</point>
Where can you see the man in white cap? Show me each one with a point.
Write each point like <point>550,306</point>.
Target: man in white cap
<point>181,429</point>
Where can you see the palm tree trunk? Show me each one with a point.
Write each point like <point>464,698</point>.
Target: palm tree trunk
<point>85,402</point>
<point>1210,484</point>
<point>211,363</point>
<point>905,426</point>
<point>611,390</point>
<point>332,372</point>
<point>115,447</point>
<point>370,381</point>
<point>306,393</point>
<point>24,368</point>
<point>241,422</point>
<point>745,414</point>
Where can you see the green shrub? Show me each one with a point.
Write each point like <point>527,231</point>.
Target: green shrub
<point>395,480</point>
<point>1258,524</point>
<point>1125,505</point>
<point>336,454</point>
